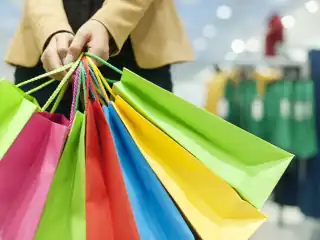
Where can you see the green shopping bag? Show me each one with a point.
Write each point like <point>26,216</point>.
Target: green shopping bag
<point>278,101</point>
<point>16,108</point>
<point>249,164</point>
<point>303,132</point>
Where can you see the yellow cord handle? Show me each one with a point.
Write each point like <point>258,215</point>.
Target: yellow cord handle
<point>101,79</point>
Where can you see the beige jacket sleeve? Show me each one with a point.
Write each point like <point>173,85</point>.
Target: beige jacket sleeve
<point>120,17</point>
<point>45,17</point>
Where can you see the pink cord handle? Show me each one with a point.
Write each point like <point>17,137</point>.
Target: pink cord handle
<point>74,97</point>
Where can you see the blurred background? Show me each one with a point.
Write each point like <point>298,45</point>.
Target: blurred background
<point>258,66</point>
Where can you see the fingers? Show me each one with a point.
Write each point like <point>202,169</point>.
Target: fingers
<point>98,48</point>
<point>51,59</point>
<point>80,40</point>
<point>63,44</point>
<point>99,42</point>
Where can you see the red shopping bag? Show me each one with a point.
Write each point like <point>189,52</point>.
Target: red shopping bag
<point>108,210</point>
<point>26,173</point>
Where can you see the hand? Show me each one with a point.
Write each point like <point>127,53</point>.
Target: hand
<point>54,54</point>
<point>95,36</point>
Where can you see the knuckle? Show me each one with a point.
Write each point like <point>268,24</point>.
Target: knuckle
<point>74,49</point>
<point>44,56</point>
<point>102,51</point>
<point>62,50</point>
<point>81,33</point>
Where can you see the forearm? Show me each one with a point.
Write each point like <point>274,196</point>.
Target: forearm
<point>121,17</point>
<point>46,17</point>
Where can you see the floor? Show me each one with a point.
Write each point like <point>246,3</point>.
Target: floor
<point>287,224</point>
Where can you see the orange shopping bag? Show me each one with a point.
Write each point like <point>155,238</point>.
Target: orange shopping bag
<point>108,210</point>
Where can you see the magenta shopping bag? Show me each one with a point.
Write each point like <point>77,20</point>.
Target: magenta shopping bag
<point>26,173</point>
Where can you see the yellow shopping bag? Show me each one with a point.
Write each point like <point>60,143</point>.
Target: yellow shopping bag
<point>212,207</point>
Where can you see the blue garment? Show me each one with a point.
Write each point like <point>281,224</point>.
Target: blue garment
<point>156,215</point>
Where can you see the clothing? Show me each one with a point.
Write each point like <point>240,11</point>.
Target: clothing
<point>215,92</point>
<point>274,36</point>
<point>79,11</point>
<point>159,76</point>
<point>155,30</point>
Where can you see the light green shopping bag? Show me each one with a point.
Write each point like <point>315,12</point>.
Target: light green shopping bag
<point>64,213</point>
<point>16,108</point>
<point>249,164</point>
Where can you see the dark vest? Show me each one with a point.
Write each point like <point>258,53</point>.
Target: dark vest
<point>79,11</point>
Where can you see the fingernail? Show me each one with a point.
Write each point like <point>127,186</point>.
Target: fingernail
<point>68,59</point>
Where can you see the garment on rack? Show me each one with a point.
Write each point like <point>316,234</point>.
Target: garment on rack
<point>304,127</point>
<point>278,102</point>
<point>274,36</point>
<point>287,192</point>
<point>251,108</point>
<point>222,98</point>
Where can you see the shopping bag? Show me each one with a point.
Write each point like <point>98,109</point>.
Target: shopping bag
<point>211,206</point>
<point>63,216</point>
<point>250,165</point>
<point>108,210</point>
<point>146,193</point>
<point>26,173</point>
<point>16,108</point>
<point>304,139</point>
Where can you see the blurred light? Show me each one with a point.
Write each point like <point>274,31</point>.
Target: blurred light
<point>288,21</point>
<point>230,56</point>
<point>312,6</point>
<point>298,55</point>
<point>209,31</point>
<point>253,45</point>
<point>238,46</point>
<point>224,12</point>
<point>200,44</point>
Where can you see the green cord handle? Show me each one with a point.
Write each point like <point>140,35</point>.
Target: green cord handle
<point>111,81</point>
<point>59,98</point>
<point>103,62</point>
<point>62,83</point>
<point>48,74</point>
<point>78,93</point>
<point>40,87</point>
<point>83,81</point>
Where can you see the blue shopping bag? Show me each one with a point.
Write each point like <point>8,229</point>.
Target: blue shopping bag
<point>155,213</point>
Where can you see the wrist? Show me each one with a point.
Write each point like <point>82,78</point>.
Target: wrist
<point>112,44</point>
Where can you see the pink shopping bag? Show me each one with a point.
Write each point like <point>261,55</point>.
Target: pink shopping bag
<point>26,173</point>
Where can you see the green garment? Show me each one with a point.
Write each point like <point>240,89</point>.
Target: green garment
<point>304,127</point>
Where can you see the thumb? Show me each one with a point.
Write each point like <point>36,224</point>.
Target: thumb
<point>79,42</point>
